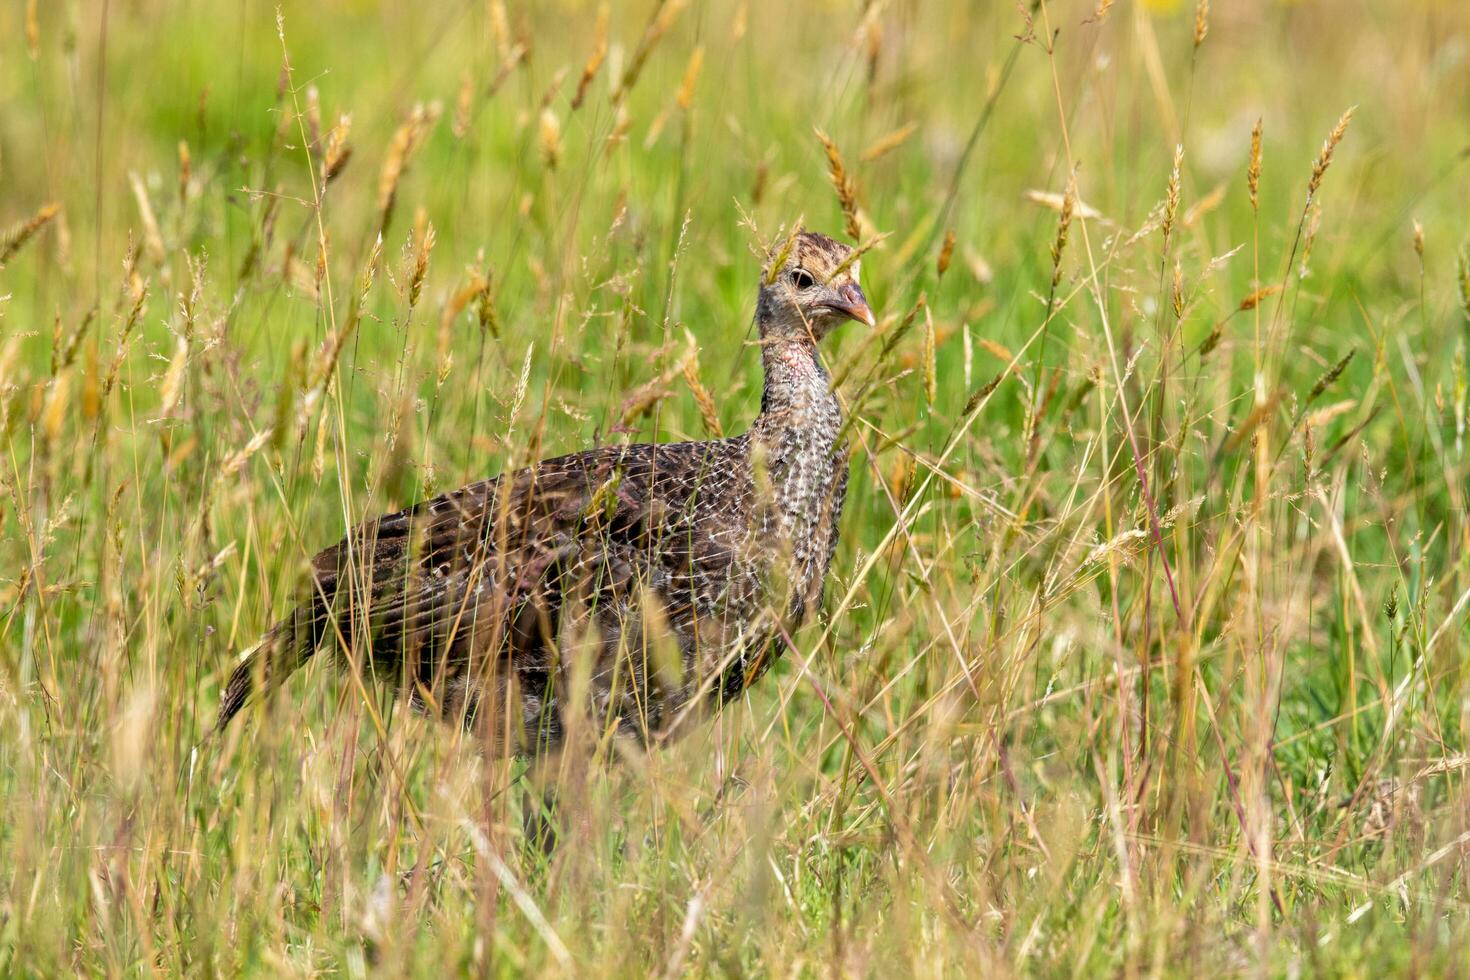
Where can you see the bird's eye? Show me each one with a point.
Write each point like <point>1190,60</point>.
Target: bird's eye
<point>802,279</point>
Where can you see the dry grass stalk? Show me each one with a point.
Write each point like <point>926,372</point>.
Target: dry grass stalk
<point>336,150</point>
<point>1253,171</point>
<point>1205,205</point>
<point>647,396</point>
<point>553,88</point>
<point>33,31</point>
<point>1309,237</point>
<point>313,116</point>
<point>1171,197</point>
<point>1201,22</point>
<point>946,253</point>
<point>473,291</point>
<point>1324,156</point>
<point>298,274</point>
<point>685,99</point>
<point>1064,225</point>
<point>1054,202</point>
<point>1253,299</point>
<point>659,23</point>
<point>288,395</point>
<point>549,138</point>
<point>708,414</point>
<point>856,255</point>
<point>514,58</point>
<point>138,297</point>
<point>485,307</point>
<point>888,142</point>
<point>152,236</point>
<point>423,246</point>
<point>931,367</point>
<point>622,122</point>
<point>1464,281</point>
<point>739,22</point>
<point>17,235</point>
<point>894,336</point>
<point>407,140</point>
<point>64,348</point>
<point>1101,10</point>
<point>171,389</point>
<point>365,281</point>
<point>595,59</point>
<point>779,259</point>
<point>186,171</point>
<point>870,39</point>
<point>1329,376</point>
<point>464,105</point>
<point>843,184</point>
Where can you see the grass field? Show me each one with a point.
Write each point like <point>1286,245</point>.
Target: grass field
<point>1147,650</point>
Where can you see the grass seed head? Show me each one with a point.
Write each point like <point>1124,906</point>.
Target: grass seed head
<point>1064,225</point>
<point>1253,170</point>
<point>14,238</point>
<point>659,23</point>
<point>1331,375</point>
<point>946,253</point>
<point>336,150</point>
<point>407,139</point>
<point>685,98</point>
<point>1464,280</point>
<point>596,58</point>
<point>424,246</point>
<point>1329,147</point>
<point>887,143</point>
<point>550,138</point>
<point>1171,196</point>
<point>708,413</point>
<point>464,105</point>
<point>843,184</point>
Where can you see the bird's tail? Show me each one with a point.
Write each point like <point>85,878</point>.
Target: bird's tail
<point>262,668</point>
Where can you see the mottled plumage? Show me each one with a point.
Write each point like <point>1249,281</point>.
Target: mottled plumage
<point>660,572</point>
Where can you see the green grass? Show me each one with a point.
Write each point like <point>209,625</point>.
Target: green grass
<point>1014,746</point>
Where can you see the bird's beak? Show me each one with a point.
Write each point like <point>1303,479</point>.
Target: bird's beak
<point>850,302</point>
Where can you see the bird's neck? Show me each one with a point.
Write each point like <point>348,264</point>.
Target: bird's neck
<point>797,391</point>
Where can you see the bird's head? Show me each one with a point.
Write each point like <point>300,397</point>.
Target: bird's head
<point>809,286</point>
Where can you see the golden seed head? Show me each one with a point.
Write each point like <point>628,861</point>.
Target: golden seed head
<point>1324,156</point>
<point>843,184</point>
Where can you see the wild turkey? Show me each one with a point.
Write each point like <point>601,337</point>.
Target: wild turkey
<point>663,572</point>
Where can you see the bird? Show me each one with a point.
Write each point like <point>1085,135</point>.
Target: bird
<point>658,580</point>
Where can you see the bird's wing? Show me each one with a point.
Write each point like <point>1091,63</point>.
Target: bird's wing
<point>489,567</point>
